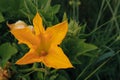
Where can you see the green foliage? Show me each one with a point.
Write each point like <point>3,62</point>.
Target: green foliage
<point>92,43</point>
<point>74,28</point>
<point>1,18</point>
<point>75,46</point>
<point>6,52</point>
<point>26,9</point>
<point>78,47</point>
<point>105,56</point>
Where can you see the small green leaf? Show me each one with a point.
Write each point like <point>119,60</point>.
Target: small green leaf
<point>75,47</point>
<point>54,9</point>
<point>9,5</point>
<point>6,51</point>
<point>53,77</point>
<point>106,55</point>
<point>28,7</point>
<point>41,3</point>
<point>64,16</point>
<point>1,18</point>
<point>47,6</point>
<point>85,47</point>
<point>74,28</point>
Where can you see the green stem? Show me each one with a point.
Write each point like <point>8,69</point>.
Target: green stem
<point>34,65</point>
<point>97,69</point>
<point>28,73</point>
<point>83,71</point>
<point>26,70</point>
<point>34,68</point>
<point>44,70</point>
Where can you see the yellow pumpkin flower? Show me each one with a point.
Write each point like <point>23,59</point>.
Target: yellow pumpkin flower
<point>43,43</point>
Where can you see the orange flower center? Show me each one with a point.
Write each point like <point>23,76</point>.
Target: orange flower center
<point>43,53</point>
<point>44,46</point>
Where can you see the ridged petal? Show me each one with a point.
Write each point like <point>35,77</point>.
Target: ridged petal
<point>30,57</point>
<point>57,59</point>
<point>57,32</point>
<point>38,26</point>
<point>25,36</point>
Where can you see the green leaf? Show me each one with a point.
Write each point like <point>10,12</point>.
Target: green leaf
<point>40,75</point>
<point>3,5</point>
<point>64,16</point>
<point>28,7</point>
<point>85,47</point>
<point>6,5</point>
<point>48,18</point>
<point>53,77</point>
<point>54,9</point>
<point>6,51</point>
<point>41,3</point>
<point>62,75</point>
<point>74,28</point>
<point>1,18</point>
<point>47,6</point>
<point>106,55</point>
<point>75,47</point>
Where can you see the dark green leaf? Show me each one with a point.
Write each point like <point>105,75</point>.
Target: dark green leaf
<point>6,51</point>
<point>54,9</point>
<point>6,5</point>
<point>74,28</point>
<point>105,56</point>
<point>28,7</point>
<point>85,47</point>
<point>75,47</point>
<point>47,6</point>
<point>64,17</point>
<point>1,18</point>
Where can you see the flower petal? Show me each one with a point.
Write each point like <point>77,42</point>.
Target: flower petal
<point>30,57</point>
<point>25,36</point>
<point>38,26</point>
<point>57,32</point>
<point>18,25</point>
<point>57,59</point>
